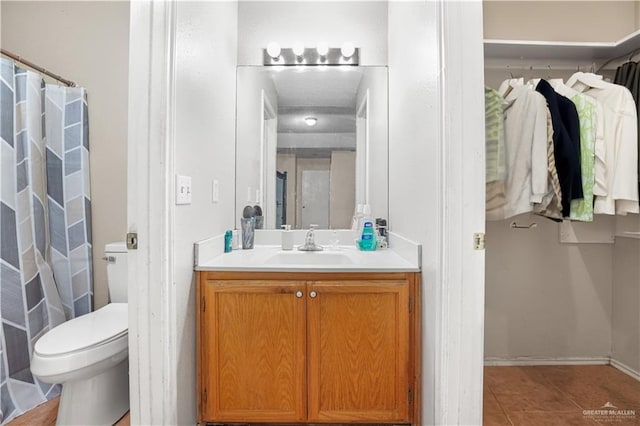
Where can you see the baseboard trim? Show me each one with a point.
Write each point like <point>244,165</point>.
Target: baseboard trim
<point>523,361</point>
<point>529,361</point>
<point>625,369</point>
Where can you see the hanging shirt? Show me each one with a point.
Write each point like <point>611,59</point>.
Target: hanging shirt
<point>551,204</point>
<point>628,75</point>
<point>582,209</point>
<point>620,143</point>
<point>526,151</point>
<point>496,172</point>
<point>566,144</point>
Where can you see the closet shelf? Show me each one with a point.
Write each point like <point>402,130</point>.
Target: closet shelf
<point>559,51</point>
<point>628,234</point>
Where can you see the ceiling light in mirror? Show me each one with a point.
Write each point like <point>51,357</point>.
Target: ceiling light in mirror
<point>310,121</point>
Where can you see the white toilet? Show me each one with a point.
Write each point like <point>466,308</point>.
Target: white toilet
<point>88,355</point>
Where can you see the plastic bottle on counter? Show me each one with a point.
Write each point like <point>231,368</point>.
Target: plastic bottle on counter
<point>287,237</point>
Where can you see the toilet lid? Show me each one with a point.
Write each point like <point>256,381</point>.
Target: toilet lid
<point>96,328</point>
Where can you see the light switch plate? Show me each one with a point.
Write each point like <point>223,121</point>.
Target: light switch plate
<point>183,189</point>
<point>215,191</point>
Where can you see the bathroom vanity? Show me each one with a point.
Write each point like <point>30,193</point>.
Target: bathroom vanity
<point>324,337</point>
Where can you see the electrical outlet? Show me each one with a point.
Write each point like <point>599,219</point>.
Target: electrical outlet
<point>183,189</point>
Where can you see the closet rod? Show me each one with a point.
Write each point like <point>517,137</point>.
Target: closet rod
<point>37,68</point>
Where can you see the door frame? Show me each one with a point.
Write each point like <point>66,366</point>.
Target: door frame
<point>362,151</point>
<point>153,362</point>
<point>268,150</point>
<point>459,328</point>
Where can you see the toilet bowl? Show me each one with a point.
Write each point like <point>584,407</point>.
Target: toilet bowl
<point>88,355</point>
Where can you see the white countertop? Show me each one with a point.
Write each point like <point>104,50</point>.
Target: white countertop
<point>267,255</point>
<point>342,259</point>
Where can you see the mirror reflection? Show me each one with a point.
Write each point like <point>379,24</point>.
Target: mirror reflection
<point>311,144</point>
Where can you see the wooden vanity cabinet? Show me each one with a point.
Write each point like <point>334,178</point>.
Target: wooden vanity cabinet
<point>308,347</point>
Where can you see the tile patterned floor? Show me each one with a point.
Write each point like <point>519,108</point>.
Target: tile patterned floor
<point>560,395</point>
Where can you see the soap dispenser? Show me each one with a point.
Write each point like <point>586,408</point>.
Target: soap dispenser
<point>287,237</point>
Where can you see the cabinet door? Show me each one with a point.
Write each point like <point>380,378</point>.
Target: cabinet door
<point>358,340</point>
<point>253,351</point>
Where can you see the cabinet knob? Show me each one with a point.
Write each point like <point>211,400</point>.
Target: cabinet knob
<point>313,294</point>
<point>298,294</point>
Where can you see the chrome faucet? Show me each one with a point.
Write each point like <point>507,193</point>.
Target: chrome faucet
<point>309,241</point>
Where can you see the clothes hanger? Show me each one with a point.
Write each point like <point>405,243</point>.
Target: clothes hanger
<point>507,85</point>
<point>588,79</point>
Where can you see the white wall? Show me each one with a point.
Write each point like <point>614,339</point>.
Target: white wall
<point>205,150</point>
<point>87,42</point>
<point>286,22</point>
<point>545,299</point>
<point>414,159</point>
<point>375,80</point>
<point>626,303</point>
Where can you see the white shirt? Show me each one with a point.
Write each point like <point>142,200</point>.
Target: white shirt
<point>525,150</point>
<point>620,143</point>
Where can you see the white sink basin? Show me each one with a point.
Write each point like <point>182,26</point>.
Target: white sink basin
<point>309,258</point>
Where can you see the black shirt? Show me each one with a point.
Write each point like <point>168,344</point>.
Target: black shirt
<point>566,144</point>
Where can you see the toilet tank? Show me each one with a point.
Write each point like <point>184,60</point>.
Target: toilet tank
<point>117,271</point>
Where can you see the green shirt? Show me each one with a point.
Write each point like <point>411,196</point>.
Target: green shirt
<point>582,209</point>
<point>494,105</point>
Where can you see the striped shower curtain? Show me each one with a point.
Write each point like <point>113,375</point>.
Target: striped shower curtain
<point>45,225</point>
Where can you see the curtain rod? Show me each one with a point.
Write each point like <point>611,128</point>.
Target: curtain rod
<point>38,68</point>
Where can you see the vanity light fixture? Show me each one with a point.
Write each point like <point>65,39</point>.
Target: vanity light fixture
<point>273,50</point>
<point>322,55</point>
<point>310,121</point>
<point>298,49</point>
<point>347,50</point>
<point>322,48</point>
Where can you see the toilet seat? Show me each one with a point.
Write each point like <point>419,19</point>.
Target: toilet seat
<point>84,332</point>
<point>82,344</point>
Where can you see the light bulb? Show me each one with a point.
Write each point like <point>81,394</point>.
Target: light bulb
<point>273,49</point>
<point>298,49</point>
<point>347,50</point>
<point>311,121</point>
<point>322,48</point>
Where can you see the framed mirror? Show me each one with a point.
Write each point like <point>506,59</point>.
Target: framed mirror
<point>311,144</point>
